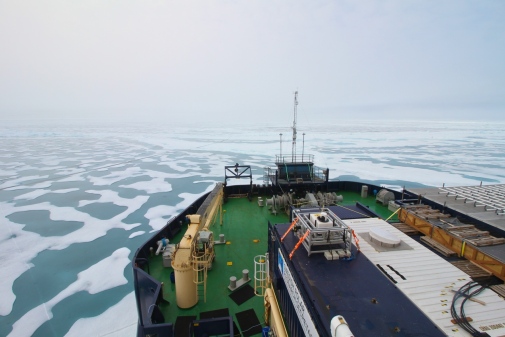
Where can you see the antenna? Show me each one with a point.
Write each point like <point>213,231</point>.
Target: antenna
<point>293,151</point>
<point>280,144</point>
<point>303,144</point>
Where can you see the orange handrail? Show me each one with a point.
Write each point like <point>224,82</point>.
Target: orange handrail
<point>299,243</point>
<point>355,239</point>
<point>290,228</point>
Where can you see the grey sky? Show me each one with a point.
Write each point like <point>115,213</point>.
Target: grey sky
<point>241,61</point>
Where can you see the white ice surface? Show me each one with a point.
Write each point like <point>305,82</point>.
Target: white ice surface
<point>122,314</point>
<point>109,196</point>
<point>155,185</point>
<point>37,193</point>
<point>20,183</point>
<point>159,215</point>
<point>134,234</point>
<point>72,178</point>
<point>116,176</point>
<point>44,184</point>
<point>15,255</point>
<point>16,181</point>
<point>90,280</point>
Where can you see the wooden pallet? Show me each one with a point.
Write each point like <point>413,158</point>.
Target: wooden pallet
<point>456,228</point>
<point>473,270</point>
<point>475,236</point>
<point>444,232</point>
<point>437,246</point>
<point>417,206</point>
<point>499,289</point>
<point>491,241</point>
<point>406,229</point>
<point>428,213</point>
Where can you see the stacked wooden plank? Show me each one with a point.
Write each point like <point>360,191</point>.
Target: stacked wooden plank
<point>499,289</point>
<point>475,236</point>
<point>461,239</point>
<point>429,213</point>
<point>437,246</point>
<point>473,270</point>
<point>405,228</point>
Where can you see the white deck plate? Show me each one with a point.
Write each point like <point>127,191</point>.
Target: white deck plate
<point>430,280</point>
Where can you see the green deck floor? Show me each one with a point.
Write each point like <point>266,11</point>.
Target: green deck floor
<point>244,222</point>
<point>350,198</point>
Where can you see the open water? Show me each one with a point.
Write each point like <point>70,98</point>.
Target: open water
<point>77,200</point>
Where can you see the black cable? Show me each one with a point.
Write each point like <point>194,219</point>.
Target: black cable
<point>466,292</point>
<point>460,317</point>
<point>259,324</point>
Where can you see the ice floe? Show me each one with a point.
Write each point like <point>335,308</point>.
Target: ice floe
<point>116,176</point>
<point>110,196</point>
<point>122,314</point>
<point>40,192</point>
<point>159,215</point>
<point>155,185</point>
<point>18,183</point>
<point>89,280</point>
<point>134,234</point>
<point>18,247</point>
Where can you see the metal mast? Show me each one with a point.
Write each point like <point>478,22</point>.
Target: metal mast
<point>293,151</point>
<point>280,144</point>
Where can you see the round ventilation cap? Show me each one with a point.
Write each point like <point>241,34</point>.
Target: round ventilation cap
<point>384,238</point>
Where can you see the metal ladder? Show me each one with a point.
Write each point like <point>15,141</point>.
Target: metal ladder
<point>266,176</point>
<point>200,276</point>
<point>260,275</point>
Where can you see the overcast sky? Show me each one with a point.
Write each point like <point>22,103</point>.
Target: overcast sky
<point>241,61</point>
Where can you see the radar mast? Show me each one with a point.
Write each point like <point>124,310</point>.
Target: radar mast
<point>293,150</point>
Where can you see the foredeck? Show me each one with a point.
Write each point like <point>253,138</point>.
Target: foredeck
<point>245,227</point>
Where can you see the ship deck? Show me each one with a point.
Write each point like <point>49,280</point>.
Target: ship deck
<point>381,291</point>
<point>245,226</point>
<point>430,281</point>
<point>370,303</point>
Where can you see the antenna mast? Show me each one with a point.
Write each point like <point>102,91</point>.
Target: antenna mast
<point>293,151</point>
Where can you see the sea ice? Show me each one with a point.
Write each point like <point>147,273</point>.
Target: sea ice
<point>159,215</point>
<point>16,183</point>
<point>122,314</point>
<point>90,280</point>
<point>134,234</point>
<point>116,176</point>
<point>37,193</point>
<point>107,196</point>
<point>27,245</point>
<point>155,185</point>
